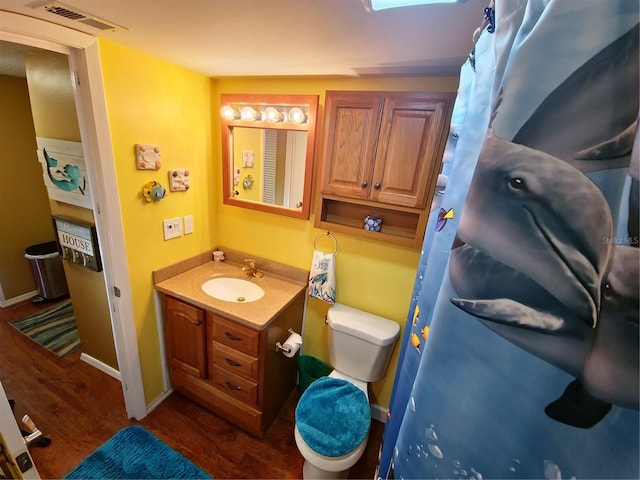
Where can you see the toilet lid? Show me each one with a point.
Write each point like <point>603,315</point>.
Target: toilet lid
<point>333,417</point>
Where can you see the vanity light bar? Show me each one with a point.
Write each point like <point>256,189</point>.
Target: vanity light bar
<point>260,113</point>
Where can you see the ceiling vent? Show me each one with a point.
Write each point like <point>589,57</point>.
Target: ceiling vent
<point>76,15</point>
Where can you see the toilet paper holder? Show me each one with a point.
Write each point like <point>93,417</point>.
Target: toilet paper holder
<point>284,348</point>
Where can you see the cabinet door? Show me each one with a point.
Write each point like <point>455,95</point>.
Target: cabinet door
<point>352,122</point>
<point>184,333</point>
<point>412,138</point>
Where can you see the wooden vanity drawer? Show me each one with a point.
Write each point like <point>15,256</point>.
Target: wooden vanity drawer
<point>235,361</point>
<point>235,386</point>
<point>238,337</point>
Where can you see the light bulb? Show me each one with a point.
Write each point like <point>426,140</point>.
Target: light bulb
<point>229,113</point>
<point>273,115</point>
<point>249,114</point>
<point>296,115</point>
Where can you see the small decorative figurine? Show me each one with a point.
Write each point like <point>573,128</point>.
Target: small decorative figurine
<point>373,224</point>
<point>153,191</point>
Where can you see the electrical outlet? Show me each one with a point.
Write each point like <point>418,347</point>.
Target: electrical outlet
<point>188,224</point>
<point>172,228</point>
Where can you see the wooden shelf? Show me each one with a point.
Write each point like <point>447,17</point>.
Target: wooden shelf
<point>399,226</point>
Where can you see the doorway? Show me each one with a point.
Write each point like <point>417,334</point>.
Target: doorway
<point>82,50</point>
<point>39,111</point>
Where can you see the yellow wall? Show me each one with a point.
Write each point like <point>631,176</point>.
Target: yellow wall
<point>372,276</point>
<point>23,197</point>
<point>151,101</point>
<point>154,102</point>
<point>54,116</point>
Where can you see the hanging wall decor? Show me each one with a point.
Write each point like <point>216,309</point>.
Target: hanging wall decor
<point>64,171</point>
<point>78,242</point>
<point>179,180</point>
<point>153,191</point>
<point>148,157</point>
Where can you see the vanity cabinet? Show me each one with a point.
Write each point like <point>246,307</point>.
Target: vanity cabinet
<point>381,157</point>
<point>185,340</point>
<point>228,367</point>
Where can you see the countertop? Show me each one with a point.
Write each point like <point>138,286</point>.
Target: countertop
<point>281,283</point>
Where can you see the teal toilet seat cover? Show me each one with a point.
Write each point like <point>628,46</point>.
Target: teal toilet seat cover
<point>333,417</point>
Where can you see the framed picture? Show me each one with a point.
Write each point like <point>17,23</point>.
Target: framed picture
<point>64,171</point>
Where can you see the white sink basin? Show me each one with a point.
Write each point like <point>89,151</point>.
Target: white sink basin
<point>232,290</point>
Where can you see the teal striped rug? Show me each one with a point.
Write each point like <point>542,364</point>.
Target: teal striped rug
<point>136,453</point>
<point>53,327</point>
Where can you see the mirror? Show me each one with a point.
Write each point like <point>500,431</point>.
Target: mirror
<point>268,148</point>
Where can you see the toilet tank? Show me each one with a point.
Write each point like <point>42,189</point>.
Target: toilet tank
<point>360,343</point>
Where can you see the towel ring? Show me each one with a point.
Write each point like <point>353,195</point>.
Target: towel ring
<point>326,234</point>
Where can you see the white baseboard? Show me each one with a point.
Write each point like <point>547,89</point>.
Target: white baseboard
<point>379,413</point>
<point>101,366</point>
<point>18,299</point>
<point>159,399</point>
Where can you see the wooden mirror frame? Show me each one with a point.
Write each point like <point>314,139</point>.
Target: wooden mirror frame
<point>310,104</point>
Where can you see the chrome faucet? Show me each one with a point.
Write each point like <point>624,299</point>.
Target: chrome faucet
<point>251,268</point>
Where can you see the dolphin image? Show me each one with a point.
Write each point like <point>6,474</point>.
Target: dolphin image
<point>539,269</point>
<point>596,105</point>
<point>72,177</point>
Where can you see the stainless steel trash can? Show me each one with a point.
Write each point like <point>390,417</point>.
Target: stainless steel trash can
<point>48,273</point>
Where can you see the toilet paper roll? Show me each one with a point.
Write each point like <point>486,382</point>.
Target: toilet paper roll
<point>292,344</point>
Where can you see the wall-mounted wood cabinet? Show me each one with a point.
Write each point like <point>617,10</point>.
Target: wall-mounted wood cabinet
<point>381,157</point>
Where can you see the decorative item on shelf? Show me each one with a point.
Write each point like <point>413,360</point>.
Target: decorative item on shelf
<point>247,183</point>
<point>148,157</point>
<point>153,191</point>
<point>373,224</point>
<point>179,180</point>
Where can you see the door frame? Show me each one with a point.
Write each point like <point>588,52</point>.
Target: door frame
<point>86,71</point>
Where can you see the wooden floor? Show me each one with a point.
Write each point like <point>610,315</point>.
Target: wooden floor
<point>79,408</point>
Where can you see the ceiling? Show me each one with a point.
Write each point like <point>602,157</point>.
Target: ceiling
<point>222,38</point>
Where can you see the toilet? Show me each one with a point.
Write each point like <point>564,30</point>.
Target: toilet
<point>333,414</point>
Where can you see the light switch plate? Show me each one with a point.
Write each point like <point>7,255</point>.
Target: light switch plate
<point>172,228</point>
<point>188,224</point>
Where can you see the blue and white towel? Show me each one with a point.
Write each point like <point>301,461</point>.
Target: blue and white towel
<point>322,278</point>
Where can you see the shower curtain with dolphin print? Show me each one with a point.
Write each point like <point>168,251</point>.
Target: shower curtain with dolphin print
<point>520,352</point>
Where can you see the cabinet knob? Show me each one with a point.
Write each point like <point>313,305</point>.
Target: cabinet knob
<point>232,337</point>
<point>377,186</point>
<point>233,387</point>
<point>197,323</point>
<point>364,183</point>
<point>232,363</point>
